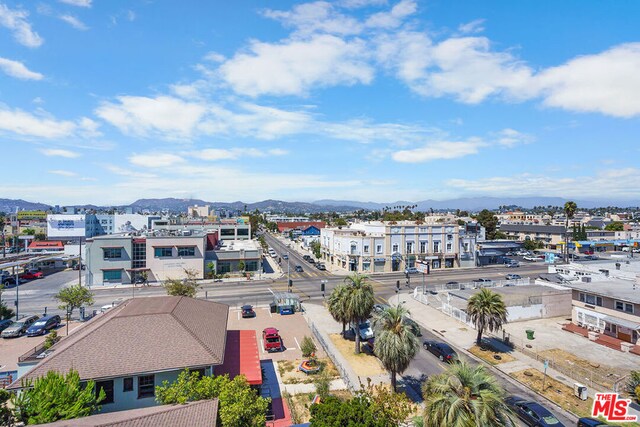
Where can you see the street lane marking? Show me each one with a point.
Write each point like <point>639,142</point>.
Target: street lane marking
<point>297,343</point>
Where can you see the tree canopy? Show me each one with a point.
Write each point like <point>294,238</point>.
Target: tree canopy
<point>56,397</point>
<point>615,226</point>
<point>487,311</point>
<point>186,287</point>
<point>489,221</point>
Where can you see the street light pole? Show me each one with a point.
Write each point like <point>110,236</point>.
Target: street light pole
<point>80,262</point>
<point>288,269</point>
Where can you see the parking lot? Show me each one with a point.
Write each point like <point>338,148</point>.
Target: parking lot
<point>292,328</point>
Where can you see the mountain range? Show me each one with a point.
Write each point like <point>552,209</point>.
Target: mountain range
<point>472,204</point>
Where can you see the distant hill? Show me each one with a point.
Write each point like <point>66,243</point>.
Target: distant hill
<point>9,206</point>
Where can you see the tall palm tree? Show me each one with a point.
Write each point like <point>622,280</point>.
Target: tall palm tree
<point>359,303</point>
<point>487,311</point>
<point>396,344</point>
<point>336,303</point>
<point>465,396</point>
<point>569,211</point>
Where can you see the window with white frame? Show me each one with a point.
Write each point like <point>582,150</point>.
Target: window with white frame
<point>365,248</point>
<point>624,306</point>
<point>423,247</point>
<point>409,247</point>
<point>590,299</point>
<point>378,249</point>
<point>394,248</point>
<point>436,247</point>
<point>449,248</point>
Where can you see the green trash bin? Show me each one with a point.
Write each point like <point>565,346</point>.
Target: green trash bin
<point>530,333</point>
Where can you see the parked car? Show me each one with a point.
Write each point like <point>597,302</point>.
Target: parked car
<point>248,312</point>
<point>4,324</point>
<point>364,330</point>
<point>452,285</point>
<point>311,261</point>
<point>379,308</point>
<point>532,258</point>
<point>271,340</point>
<point>482,280</point>
<point>20,327</point>
<point>299,269</point>
<point>415,328</point>
<point>591,257</point>
<point>531,413</point>
<point>11,280</point>
<point>588,252</point>
<point>306,257</point>
<point>442,350</point>
<point>512,264</point>
<point>285,256</point>
<point>513,277</point>
<point>32,274</point>
<point>411,270</point>
<point>79,266</point>
<point>321,266</point>
<point>590,422</point>
<point>43,325</point>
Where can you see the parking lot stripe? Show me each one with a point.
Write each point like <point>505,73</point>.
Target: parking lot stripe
<point>297,343</point>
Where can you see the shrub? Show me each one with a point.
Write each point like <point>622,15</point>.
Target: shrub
<point>51,339</point>
<point>308,347</point>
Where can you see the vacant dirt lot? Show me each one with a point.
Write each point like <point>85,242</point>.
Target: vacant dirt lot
<point>364,365</point>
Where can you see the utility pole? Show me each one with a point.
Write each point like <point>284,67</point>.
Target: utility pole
<point>15,272</point>
<point>4,250</point>
<point>288,269</point>
<point>80,262</point>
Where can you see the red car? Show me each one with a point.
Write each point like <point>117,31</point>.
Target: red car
<point>271,340</point>
<point>32,275</point>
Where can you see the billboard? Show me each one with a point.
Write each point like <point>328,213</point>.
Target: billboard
<point>66,225</point>
<point>127,223</point>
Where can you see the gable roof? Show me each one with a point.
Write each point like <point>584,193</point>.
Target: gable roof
<point>194,414</point>
<point>142,335</point>
<point>286,226</point>
<point>528,228</point>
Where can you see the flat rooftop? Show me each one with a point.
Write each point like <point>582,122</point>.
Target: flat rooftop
<point>623,290</point>
<point>511,295</point>
<point>236,245</point>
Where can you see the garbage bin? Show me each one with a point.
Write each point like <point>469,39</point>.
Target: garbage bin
<point>580,391</point>
<point>530,333</point>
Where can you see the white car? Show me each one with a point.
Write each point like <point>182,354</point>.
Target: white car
<point>532,258</point>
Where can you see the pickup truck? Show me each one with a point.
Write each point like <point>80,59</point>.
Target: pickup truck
<point>271,340</point>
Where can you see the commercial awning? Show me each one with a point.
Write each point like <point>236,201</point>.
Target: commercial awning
<point>241,357</point>
<point>621,322</point>
<point>138,269</point>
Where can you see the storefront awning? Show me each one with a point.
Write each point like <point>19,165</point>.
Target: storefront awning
<point>621,322</point>
<point>241,356</point>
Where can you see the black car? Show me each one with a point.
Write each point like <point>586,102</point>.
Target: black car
<point>11,280</point>
<point>321,266</point>
<point>531,413</point>
<point>443,351</point>
<point>43,325</point>
<point>248,311</point>
<point>311,261</point>
<point>413,325</point>
<point>590,422</point>
<point>379,308</point>
<point>299,269</point>
<point>306,257</point>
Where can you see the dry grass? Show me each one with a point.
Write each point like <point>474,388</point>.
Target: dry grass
<point>557,392</point>
<point>364,365</point>
<point>569,360</point>
<point>289,373</point>
<point>489,355</point>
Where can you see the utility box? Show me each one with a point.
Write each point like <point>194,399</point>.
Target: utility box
<point>580,391</point>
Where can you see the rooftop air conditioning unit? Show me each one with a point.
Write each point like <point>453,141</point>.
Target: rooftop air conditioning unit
<point>586,279</point>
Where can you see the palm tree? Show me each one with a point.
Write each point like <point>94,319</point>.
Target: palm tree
<point>569,211</point>
<point>465,396</point>
<point>359,302</point>
<point>396,344</point>
<point>336,303</point>
<point>487,311</point>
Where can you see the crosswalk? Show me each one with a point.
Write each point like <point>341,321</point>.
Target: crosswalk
<point>306,275</point>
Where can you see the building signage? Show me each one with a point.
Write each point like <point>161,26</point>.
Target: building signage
<point>66,226</point>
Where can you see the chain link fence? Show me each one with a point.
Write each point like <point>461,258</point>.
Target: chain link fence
<point>341,369</point>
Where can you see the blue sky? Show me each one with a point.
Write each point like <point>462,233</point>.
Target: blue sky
<point>105,102</point>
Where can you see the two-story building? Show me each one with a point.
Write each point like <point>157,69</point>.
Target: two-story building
<point>391,246</point>
<point>549,235</point>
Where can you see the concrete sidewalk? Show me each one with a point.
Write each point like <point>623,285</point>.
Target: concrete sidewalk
<point>463,337</point>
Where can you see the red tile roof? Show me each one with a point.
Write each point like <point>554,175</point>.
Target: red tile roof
<point>241,357</point>
<point>287,226</point>
<point>46,244</point>
<point>194,414</point>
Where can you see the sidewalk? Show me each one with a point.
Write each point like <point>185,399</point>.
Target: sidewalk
<point>463,337</point>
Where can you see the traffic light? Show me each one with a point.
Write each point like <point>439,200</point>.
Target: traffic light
<point>322,286</point>
<point>290,285</point>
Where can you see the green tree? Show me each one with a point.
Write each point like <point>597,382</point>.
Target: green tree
<point>396,343</point>
<point>241,266</point>
<point>337,305</point>
<point>239,404</point>
<point>615,226</point>
<point>307,346</point>
<point>56,397</point>
<point>465,396</point>
<point>532,245</point>
<point>5,312</point>
<point>28,232</point>
<point>632,386</point>
<point>570,208</point>
<point>72,297</point>
<point>40,236</point>
<point>487,311</point>
<point>489,221</point>
<point>359,303</point>
<point>186,287</point>
<point>315,248</point>
<point>340,222</point>
<point>51,339</point>
<point>6,415</point>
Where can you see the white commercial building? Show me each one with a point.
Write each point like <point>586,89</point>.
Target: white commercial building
<point>391,246</point>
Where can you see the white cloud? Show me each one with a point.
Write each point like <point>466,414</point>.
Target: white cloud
<point>117,170</point>
<point>27,124</point>
<point>511,137</point>
<point>604,184</point>
<point>16,21</point>
<point>131,15</point>
<point>606,82</point>
<point>63,173</point>
<point>79,3</point>
<point>18,70</point>
<point>314,17</point>
<point>155,160</point>
<point>142,116</point>
<point>214,57</point>
<point>58,152</point>
<point>294,67</point>
<point>439,150</point>
<point>74,22</point>
<point>393,18</point>
<point>354,4</point>
<point>475,26</point>
<point>213,154</point>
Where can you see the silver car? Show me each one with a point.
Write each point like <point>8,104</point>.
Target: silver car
<point>20,327</point>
